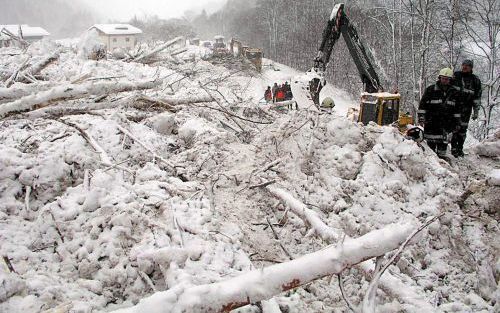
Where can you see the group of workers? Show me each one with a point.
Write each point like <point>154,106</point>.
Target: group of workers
<point>446,108</point>
<point>278,93</point>
<point>444,111</point>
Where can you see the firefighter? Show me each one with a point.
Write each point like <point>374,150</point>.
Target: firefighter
<point>471,102</point>
<point>438,112</point>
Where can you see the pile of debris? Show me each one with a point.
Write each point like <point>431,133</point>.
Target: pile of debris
<point>160,175</point>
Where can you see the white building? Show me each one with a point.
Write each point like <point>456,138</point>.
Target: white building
<point>117,35</point>
<point>25,32</point>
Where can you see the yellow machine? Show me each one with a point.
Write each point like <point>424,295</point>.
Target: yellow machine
<point>383,109</point>
<point>376,106</point>
<point>254,55</point>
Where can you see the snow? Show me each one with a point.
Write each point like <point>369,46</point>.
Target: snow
<point>89,43</point>
<point>117,29</point>
<point>156,205</point>
<point>494,177</point>
<point>490,147</point>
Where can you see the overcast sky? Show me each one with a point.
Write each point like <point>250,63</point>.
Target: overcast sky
<point>126,9</point>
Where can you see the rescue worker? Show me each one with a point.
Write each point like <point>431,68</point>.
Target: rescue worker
<point>268,94</point>
<point>327,103</point>
<point>280,94</point>
<point>438,112</point>
<point>470,85</point>
<point>288,91</point>
<point>275,90</point>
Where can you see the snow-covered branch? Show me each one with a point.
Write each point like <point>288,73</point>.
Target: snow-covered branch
<point>389,283</point>
<point>155,155</point>
<point>71,92</point>
<point>262,284</point>
<point>309,216</point>
<point>164,46</point>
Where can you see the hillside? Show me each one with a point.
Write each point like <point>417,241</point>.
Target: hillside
<point>122,181</point>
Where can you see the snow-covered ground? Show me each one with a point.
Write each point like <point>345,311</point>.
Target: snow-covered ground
<point>106,199</point>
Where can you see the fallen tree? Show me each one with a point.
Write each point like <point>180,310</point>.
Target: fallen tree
<point>21,90</point>
<point>71,92</point>
<point>36,68</point>
<point>262,284</point>
<point>26,72</point>
<point>411,295</point>
<point>146,55</point>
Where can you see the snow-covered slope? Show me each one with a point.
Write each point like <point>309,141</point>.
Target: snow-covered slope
<point>107,199</point>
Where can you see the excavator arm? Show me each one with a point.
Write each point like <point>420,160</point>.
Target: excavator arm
<point>376,105</point>
<point>339,24</point>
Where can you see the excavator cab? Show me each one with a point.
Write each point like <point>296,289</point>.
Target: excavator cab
<point>381,108</point>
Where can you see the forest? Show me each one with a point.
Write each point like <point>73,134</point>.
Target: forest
<point>412,40</point>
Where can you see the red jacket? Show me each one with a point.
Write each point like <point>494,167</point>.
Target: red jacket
<point>280,95</point>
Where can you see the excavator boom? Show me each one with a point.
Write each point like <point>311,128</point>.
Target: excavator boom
<point>339,24</point>
<point>376,105</point>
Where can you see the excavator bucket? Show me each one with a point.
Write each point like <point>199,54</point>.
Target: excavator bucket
<point>306,88</point>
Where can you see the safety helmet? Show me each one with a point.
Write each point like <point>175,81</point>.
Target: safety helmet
<point>327,103</point>
<point>415,133</point>
<point>446,72</point>
<point>468,62</point>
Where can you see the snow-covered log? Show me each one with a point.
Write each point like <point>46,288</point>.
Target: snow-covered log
<point>26,71</point>
<point>168,103</point>
<point>147,55</point>
<point>19,91</point>
<point>71,92</point>
<point>393,286</point>
<point>308,215</point>
<point>46,61</point>
<point>262,284</point>
<point>17,73</point>
<point>154,102</point>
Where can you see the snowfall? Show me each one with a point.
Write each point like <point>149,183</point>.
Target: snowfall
<point>169,186</point>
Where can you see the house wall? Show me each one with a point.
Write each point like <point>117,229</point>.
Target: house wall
<point>119,41</point>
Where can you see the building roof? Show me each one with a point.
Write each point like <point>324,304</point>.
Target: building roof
<point>117,29</point>
<point>28,31</point>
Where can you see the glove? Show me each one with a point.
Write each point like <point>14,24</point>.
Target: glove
<point>475,114</point>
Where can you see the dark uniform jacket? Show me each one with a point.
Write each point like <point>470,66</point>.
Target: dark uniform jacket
<point>471,86</point>
<point>439,109</point>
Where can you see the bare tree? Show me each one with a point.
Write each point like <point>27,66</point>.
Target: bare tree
<point>482,25</point>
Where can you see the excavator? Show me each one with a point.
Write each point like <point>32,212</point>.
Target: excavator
<point>376,105</point>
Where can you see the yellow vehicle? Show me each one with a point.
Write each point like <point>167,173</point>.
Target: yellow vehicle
<point>254,55</point>
<point>376,105</point>
<point>383,109</point>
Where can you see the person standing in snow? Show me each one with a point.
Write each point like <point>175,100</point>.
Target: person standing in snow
<point>268,94</point>
<point>471,102</point>
<point>288,91</point>
<point>275,90</point>
<point>438,112</point>
<point>280,94</point>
